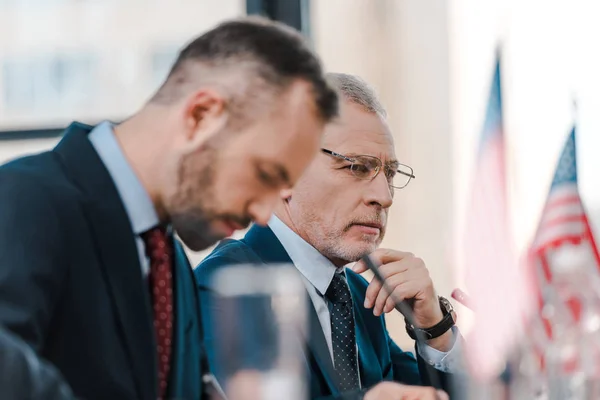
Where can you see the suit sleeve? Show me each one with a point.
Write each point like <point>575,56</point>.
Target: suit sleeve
<point>24,376</point>
<point>411,371</point>
<point>32,258</point>
<point>404,365</point>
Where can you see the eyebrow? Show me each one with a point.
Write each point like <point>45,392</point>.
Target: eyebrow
<point>393,163</point>
<point>277,172</point>
<point>283,173</point>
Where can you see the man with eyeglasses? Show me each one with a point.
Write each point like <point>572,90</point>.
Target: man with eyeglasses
<point>335,214</point>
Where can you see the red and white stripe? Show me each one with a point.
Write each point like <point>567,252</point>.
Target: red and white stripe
<point>563,219</point>
<point>493,277</point>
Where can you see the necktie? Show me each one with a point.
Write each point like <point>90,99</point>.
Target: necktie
<point>159,249</point>
<point>343,338</point>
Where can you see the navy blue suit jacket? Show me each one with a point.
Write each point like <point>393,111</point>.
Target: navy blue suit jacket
<point>379,357</point>
<point>23,375</point>
<point>71,284</point>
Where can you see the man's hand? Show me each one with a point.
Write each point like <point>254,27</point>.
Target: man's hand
<point>408,279</point>
<point>396,391</point>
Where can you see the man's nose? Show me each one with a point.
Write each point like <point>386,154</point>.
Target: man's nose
<point>261,210</point>
<point>379,192</point>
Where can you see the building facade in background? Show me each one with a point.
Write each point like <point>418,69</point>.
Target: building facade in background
<point>92,59</point>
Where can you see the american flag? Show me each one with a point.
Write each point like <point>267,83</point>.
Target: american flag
<point>564,234</point>
<point>497,286</point>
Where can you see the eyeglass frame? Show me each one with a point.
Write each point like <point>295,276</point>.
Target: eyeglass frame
<point>381,164</point>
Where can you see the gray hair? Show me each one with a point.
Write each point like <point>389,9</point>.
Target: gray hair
<point>356,90</point>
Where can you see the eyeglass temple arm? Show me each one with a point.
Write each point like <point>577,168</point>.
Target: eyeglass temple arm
<point>338,155</point>
<point>406,174</point>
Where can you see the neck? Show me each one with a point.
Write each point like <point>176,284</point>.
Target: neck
<point>143,143</point>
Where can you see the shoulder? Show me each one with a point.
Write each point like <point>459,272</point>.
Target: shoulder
<point>228,252</point>
<point>35,194</point>
<point>28,181</point>
<point>40,175</point>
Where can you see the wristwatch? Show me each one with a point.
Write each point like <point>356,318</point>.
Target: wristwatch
<point>438,329</point>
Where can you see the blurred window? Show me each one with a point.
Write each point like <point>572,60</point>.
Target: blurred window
<point>162,59</point>
<point>52,82</point>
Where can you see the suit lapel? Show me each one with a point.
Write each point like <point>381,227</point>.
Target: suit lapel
<point>117,251</point>
<point>369,365</point>
<point>320,351</point>
<point>266,245</point>
<point>186,370</point>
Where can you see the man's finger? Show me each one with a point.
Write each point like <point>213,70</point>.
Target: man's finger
<point>384,256</point>
<point>393,274</point>
<point>381,257</point>
<point>372,293</point>
<point>359,267</point>
<point>390,304</point>
<point>383,295</point>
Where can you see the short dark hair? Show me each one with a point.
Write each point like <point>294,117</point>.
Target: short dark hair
<point>273,52</point>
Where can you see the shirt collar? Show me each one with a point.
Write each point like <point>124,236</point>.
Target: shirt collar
<point>135,198</point>
<point>314,266</point>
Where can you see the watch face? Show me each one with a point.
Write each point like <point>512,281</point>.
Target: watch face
<point>446,304</point>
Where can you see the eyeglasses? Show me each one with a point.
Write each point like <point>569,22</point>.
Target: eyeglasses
<point>367,167</point>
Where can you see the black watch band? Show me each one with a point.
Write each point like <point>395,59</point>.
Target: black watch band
<point>438,329</point>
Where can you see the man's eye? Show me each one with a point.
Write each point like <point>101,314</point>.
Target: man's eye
<point>266,178</point>
<point>363,169</point>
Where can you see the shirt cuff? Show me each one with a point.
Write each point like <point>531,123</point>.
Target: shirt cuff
<point>445,361</point>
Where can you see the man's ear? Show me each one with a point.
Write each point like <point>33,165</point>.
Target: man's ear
<point>205,115</point>
<point>286,194</point>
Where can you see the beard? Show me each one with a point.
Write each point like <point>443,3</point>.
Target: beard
<point>333,243</point>
<point>337,249</point>
<point>194,230</point>
<point>190,204</point>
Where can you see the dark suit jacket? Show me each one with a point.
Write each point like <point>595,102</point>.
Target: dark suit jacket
<point>71,284</point>
<point>24,376</point>
<point>379,357</point>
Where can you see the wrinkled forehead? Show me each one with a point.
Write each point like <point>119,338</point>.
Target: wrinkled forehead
<point>360,132</point>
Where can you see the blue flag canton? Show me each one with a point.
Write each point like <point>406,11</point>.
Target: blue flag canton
<point>566,171</point>
<point>492,128</point>
<point>493,116</point>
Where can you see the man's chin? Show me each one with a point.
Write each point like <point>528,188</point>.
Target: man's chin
<point>355,250</point>
<point>199,242</point>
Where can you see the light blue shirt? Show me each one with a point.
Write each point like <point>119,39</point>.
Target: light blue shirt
<point>317,273</point>
<point>138,204</point>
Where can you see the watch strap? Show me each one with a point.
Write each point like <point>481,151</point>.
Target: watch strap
<point>438,329</point>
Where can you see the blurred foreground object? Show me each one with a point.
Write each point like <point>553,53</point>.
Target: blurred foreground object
<point>259,315</point>
<point>495,283</point>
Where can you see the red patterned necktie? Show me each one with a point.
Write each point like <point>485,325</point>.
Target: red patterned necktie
<point>160,251</point>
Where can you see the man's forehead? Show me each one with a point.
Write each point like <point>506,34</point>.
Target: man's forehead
<point>349,141</point>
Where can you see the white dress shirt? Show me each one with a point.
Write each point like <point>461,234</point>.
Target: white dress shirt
<point>138,204</point>
<point>317,272</point>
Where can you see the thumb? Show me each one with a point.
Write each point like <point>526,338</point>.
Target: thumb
<point>359,267</point>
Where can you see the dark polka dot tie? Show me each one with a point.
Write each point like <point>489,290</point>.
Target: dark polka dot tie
<point>343,338</point>
<point>159,249</point>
